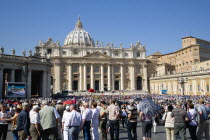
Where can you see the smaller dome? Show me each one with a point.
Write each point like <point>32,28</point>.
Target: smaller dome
<point>79,36</point>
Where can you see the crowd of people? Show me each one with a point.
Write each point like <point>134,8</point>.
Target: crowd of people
<point>53,119</point>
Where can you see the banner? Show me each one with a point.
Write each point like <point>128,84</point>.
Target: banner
<point>164,91</point>
<point>16,89</point>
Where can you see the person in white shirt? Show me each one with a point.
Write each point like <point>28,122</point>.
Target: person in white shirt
<point>95,121</point>
<point>169,123</point>
<point>86,118</point>
<point>192,115</point>
<point>35,123</point>
<point>3,122</point>
<point>74,123</point>
<point>65,122</point>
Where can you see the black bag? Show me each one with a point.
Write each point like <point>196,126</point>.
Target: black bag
<point>162,122</point>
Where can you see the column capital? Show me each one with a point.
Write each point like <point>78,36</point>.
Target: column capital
<point>144,65</point>
<point>70,64</point>
<point>57,64</point>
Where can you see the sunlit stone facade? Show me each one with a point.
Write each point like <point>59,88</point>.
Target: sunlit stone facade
<point>82,64</point>
<point>190,64</point>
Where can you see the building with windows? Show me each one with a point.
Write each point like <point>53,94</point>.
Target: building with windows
<point>189,64</point>
<point>81,63</point>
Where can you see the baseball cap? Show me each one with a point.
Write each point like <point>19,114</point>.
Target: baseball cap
<point>67,108</point>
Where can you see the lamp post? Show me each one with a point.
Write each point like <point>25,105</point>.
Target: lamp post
<point>161,88</point>
<point>182,81</point>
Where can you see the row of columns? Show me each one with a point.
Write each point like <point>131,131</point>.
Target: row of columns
<point>110,77</point>
<point>46,78</point>
<point>174,87</point>
<point>1,82</point>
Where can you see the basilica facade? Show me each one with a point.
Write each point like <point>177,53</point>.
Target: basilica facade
<point>81,64</point>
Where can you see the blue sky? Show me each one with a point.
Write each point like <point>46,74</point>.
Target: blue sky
<point>157,24</point>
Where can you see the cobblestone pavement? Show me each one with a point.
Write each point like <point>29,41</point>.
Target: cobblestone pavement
<point>123,134</point>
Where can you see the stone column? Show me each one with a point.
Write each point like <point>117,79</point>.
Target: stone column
<point>145,78</point>
<point>194,87</point>
<point>132,77</point>
<point>102,77</point>
<point>44,84</point>
<point>12,79</point>
<point>28,84</point>
<point>57,74</point>
<point>80,77</point>
<point>70,77</point>
<point>109,77</point>
<point>49,84</point>
<point>122,77</point>
<point>91,77</point>
<point>204,87</point>
<point>113,77</point>
<point>1,82</point>
<point>85,77</point>
<point>186,88</point>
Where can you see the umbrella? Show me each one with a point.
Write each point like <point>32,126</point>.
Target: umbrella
<point>91,90</point>
<point>17,103</point>
<point>148,107</point>
<point>68,102</point>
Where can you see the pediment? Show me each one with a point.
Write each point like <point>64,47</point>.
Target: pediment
<point>97,55</point>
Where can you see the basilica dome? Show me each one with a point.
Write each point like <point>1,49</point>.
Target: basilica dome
<point>79,36</point>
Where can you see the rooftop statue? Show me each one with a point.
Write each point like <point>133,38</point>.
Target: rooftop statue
<point>121,45</point>
<point>2,50</point>
<point>13,51</point>
<point>24,53</point>
<point>30,52</point>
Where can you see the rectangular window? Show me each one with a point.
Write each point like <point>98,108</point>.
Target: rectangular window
<point>75,68</point>
<point>116,53</point>
<point>49,51</point>
<point>64,52</point>
<point>138,54</point>
<point>207,88</point>
<point>199,88</point>
<point>75,53</point>
<point>126,54</point>
<point>96,69</point>
<point>190,87</point>
<point>116,69</point>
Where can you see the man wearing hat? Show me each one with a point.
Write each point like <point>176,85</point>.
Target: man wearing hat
<point>49,118</point>
<point>132,120</point>
<point>60,109</point>
<point>35,123</point>
<point>23,123</point>
<point>180,117</point>
<point>203,126</point>
<point>65,122</point>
